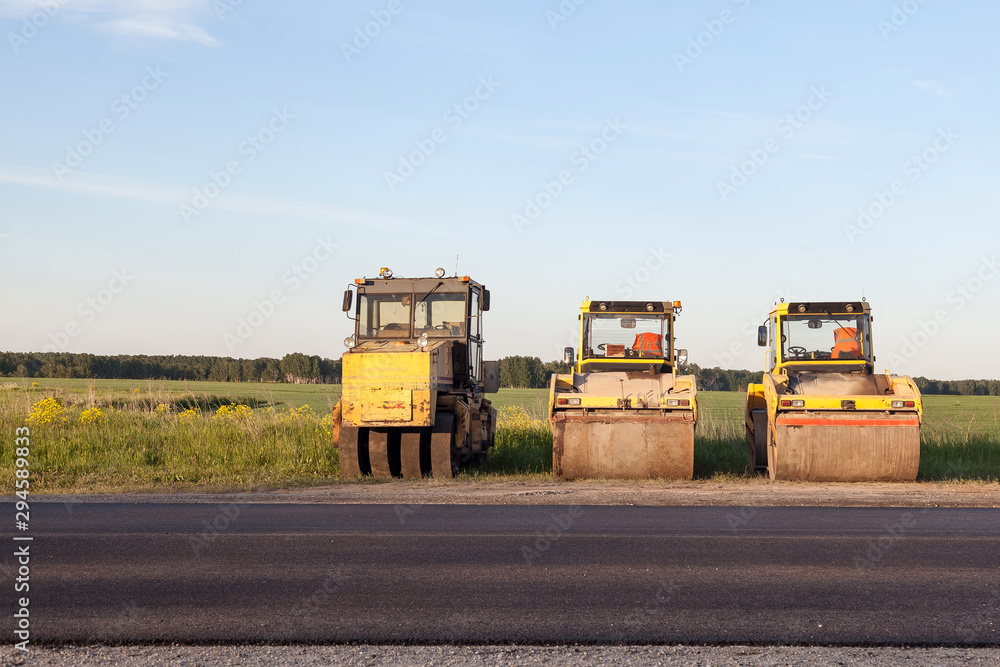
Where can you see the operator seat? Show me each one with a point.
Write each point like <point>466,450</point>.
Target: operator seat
<point>846,344</point>
<point>648,343</point>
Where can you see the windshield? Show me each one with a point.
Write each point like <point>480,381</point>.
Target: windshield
<point>440,315</point>
<point>614,335</point>
<point>384,315</point>
<point>393,315</point>
<point>837,337</point>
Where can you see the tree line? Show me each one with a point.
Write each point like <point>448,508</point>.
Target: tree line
<point>515,372</point>
<point>528,372</point>
<point>531,372</point>
<point>958,387</point>
<point>718,379</point>
<point>295,368</point>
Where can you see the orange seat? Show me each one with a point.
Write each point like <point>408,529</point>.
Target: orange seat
<point>846,343</point>
<point>648,343</point>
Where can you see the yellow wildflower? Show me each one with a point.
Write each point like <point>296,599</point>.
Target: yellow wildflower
<point>92,416</point>
<point>233,412</point>
<point>47,411</point>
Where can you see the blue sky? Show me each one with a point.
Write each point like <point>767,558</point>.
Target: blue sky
<point>226,158</point>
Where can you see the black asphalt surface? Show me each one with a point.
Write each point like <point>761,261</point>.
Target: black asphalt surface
<point>445,573</point>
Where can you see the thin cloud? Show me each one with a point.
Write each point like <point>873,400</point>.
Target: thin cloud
<point>930,88</point>
<point>111,187</point>
<point>144,20</point>
<point>159,30</point>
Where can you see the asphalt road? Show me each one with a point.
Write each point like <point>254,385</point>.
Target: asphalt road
<point>433,573</point>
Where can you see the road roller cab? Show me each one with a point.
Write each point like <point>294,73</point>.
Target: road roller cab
<point>624,412</point>
<point>822,413</point>
<point>414,377</point>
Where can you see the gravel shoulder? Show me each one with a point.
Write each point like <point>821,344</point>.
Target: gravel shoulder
<point>650,493</point>
<point>433,656</point>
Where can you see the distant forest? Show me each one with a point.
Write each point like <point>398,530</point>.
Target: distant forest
<point>292,368</point>
<point>524,372</point>
<point>515,372</point>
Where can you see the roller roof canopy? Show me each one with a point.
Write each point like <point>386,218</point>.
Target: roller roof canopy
<point>628,306</point>
<point>418,285</point>
<point>821,307</point>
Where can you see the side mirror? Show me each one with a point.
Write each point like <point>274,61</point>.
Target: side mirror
<point>682,357</point>
<point>568,355</point>
<point>762,336</point>
<point>348,299</point>
<point>486,300</point>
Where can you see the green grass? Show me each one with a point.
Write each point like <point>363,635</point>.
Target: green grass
<point>523,445</point>
<point>136,447</point>
<point>959,437</point>
<point>533,401</point>
<point>184,444</point>
<point>318,396</point>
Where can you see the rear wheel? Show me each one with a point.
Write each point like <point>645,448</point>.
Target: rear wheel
<point>383,452</point>
<point>772,455</point>
<point>353,452</point>
<point>757,439</point>
<point>415,453</point>
<point>444,459</point>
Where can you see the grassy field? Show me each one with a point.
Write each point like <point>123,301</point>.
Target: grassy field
<point>106,435</point>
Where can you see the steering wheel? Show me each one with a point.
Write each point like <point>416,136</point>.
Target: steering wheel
<point>602,348</point>
<point>442,326</point>
<point>798,351</point>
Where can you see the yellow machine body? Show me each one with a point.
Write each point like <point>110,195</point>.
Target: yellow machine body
<point>823,414</point>
<point>414,380</point>
<point>624,413</point>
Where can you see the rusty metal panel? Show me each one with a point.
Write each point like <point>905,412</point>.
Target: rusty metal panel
<point>491,377</point>
<point>845,447</point>
<point>386,405</point>
<point>627,447</point>
<point>387,389</point>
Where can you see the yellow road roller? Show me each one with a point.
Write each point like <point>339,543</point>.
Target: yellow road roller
<point>822,413</point>
<point>624,413</point>
<point>414,378</point>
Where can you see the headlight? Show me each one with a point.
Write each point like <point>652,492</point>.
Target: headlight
<point>439,273</point>
<point>422,341</point>
<point>349,342</point>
